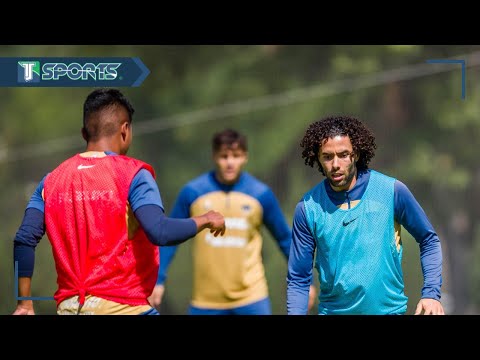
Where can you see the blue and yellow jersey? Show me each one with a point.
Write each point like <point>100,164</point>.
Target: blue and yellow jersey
<point>228,270</point>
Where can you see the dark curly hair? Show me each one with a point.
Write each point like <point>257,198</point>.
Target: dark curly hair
<point>362,139</point>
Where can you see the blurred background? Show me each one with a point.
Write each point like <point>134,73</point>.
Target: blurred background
<point>425,131</point>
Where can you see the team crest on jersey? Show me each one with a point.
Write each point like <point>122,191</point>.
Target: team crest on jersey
<point>246,208</point>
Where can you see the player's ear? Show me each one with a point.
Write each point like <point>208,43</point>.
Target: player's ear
<point>356,156</point>
<point>124,129</point>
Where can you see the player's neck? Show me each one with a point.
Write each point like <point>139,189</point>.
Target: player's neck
<point>103,145</point>
<point>226,182</point>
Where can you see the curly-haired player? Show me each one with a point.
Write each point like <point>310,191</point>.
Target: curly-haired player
<point>353,220</point>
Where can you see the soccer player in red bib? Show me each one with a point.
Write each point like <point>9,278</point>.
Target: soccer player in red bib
<point>104,217</point>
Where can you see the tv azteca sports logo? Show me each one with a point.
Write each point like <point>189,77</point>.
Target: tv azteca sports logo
<point>30,71</point>
<point>72,71</point>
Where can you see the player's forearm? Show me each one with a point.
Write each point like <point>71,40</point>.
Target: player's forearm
<point>162,230</point>
<point>300,264</point>
<point>24,290</point>
<point>297,296</point>
<point>167,254</point>
<point>431,260</point>
<point>275,221</point>
<point>284,245</point>
<point>32,228</point>
<point>24,257</point>
<point>283,235</point>
<point>412,217</point>
<point>299,279</point>
<point>27,237</point>
<point>24,286</point>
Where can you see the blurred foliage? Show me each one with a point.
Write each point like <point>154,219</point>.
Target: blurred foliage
<point>426,136</point>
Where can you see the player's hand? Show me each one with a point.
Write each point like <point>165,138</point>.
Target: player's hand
<point>157,295</point>
<point>429,307</point>
<point>216,223</point>
<point>24,307</point>
<point>312,295</point>
<point>212,220</point>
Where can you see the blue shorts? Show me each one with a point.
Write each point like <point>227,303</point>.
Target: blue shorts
<point>152,311</point>
<point>261,307</point>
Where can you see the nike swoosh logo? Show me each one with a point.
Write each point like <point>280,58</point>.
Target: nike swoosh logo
<point>80,167</point>
<point>345,223</point>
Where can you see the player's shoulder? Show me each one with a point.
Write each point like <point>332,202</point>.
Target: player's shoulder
<point>129,159</point>
<point>401,189</point>
<point>198,186</point>
<point>253,184</point>
<point>299,212</point>
<point>252,180</point>
<point>369,173</point>
<point>313,190</point>
<point>199,181</point>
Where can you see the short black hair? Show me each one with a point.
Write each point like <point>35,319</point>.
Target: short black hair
<point>229,137</point>
<point>94,108</point>
<point>362,139</point>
